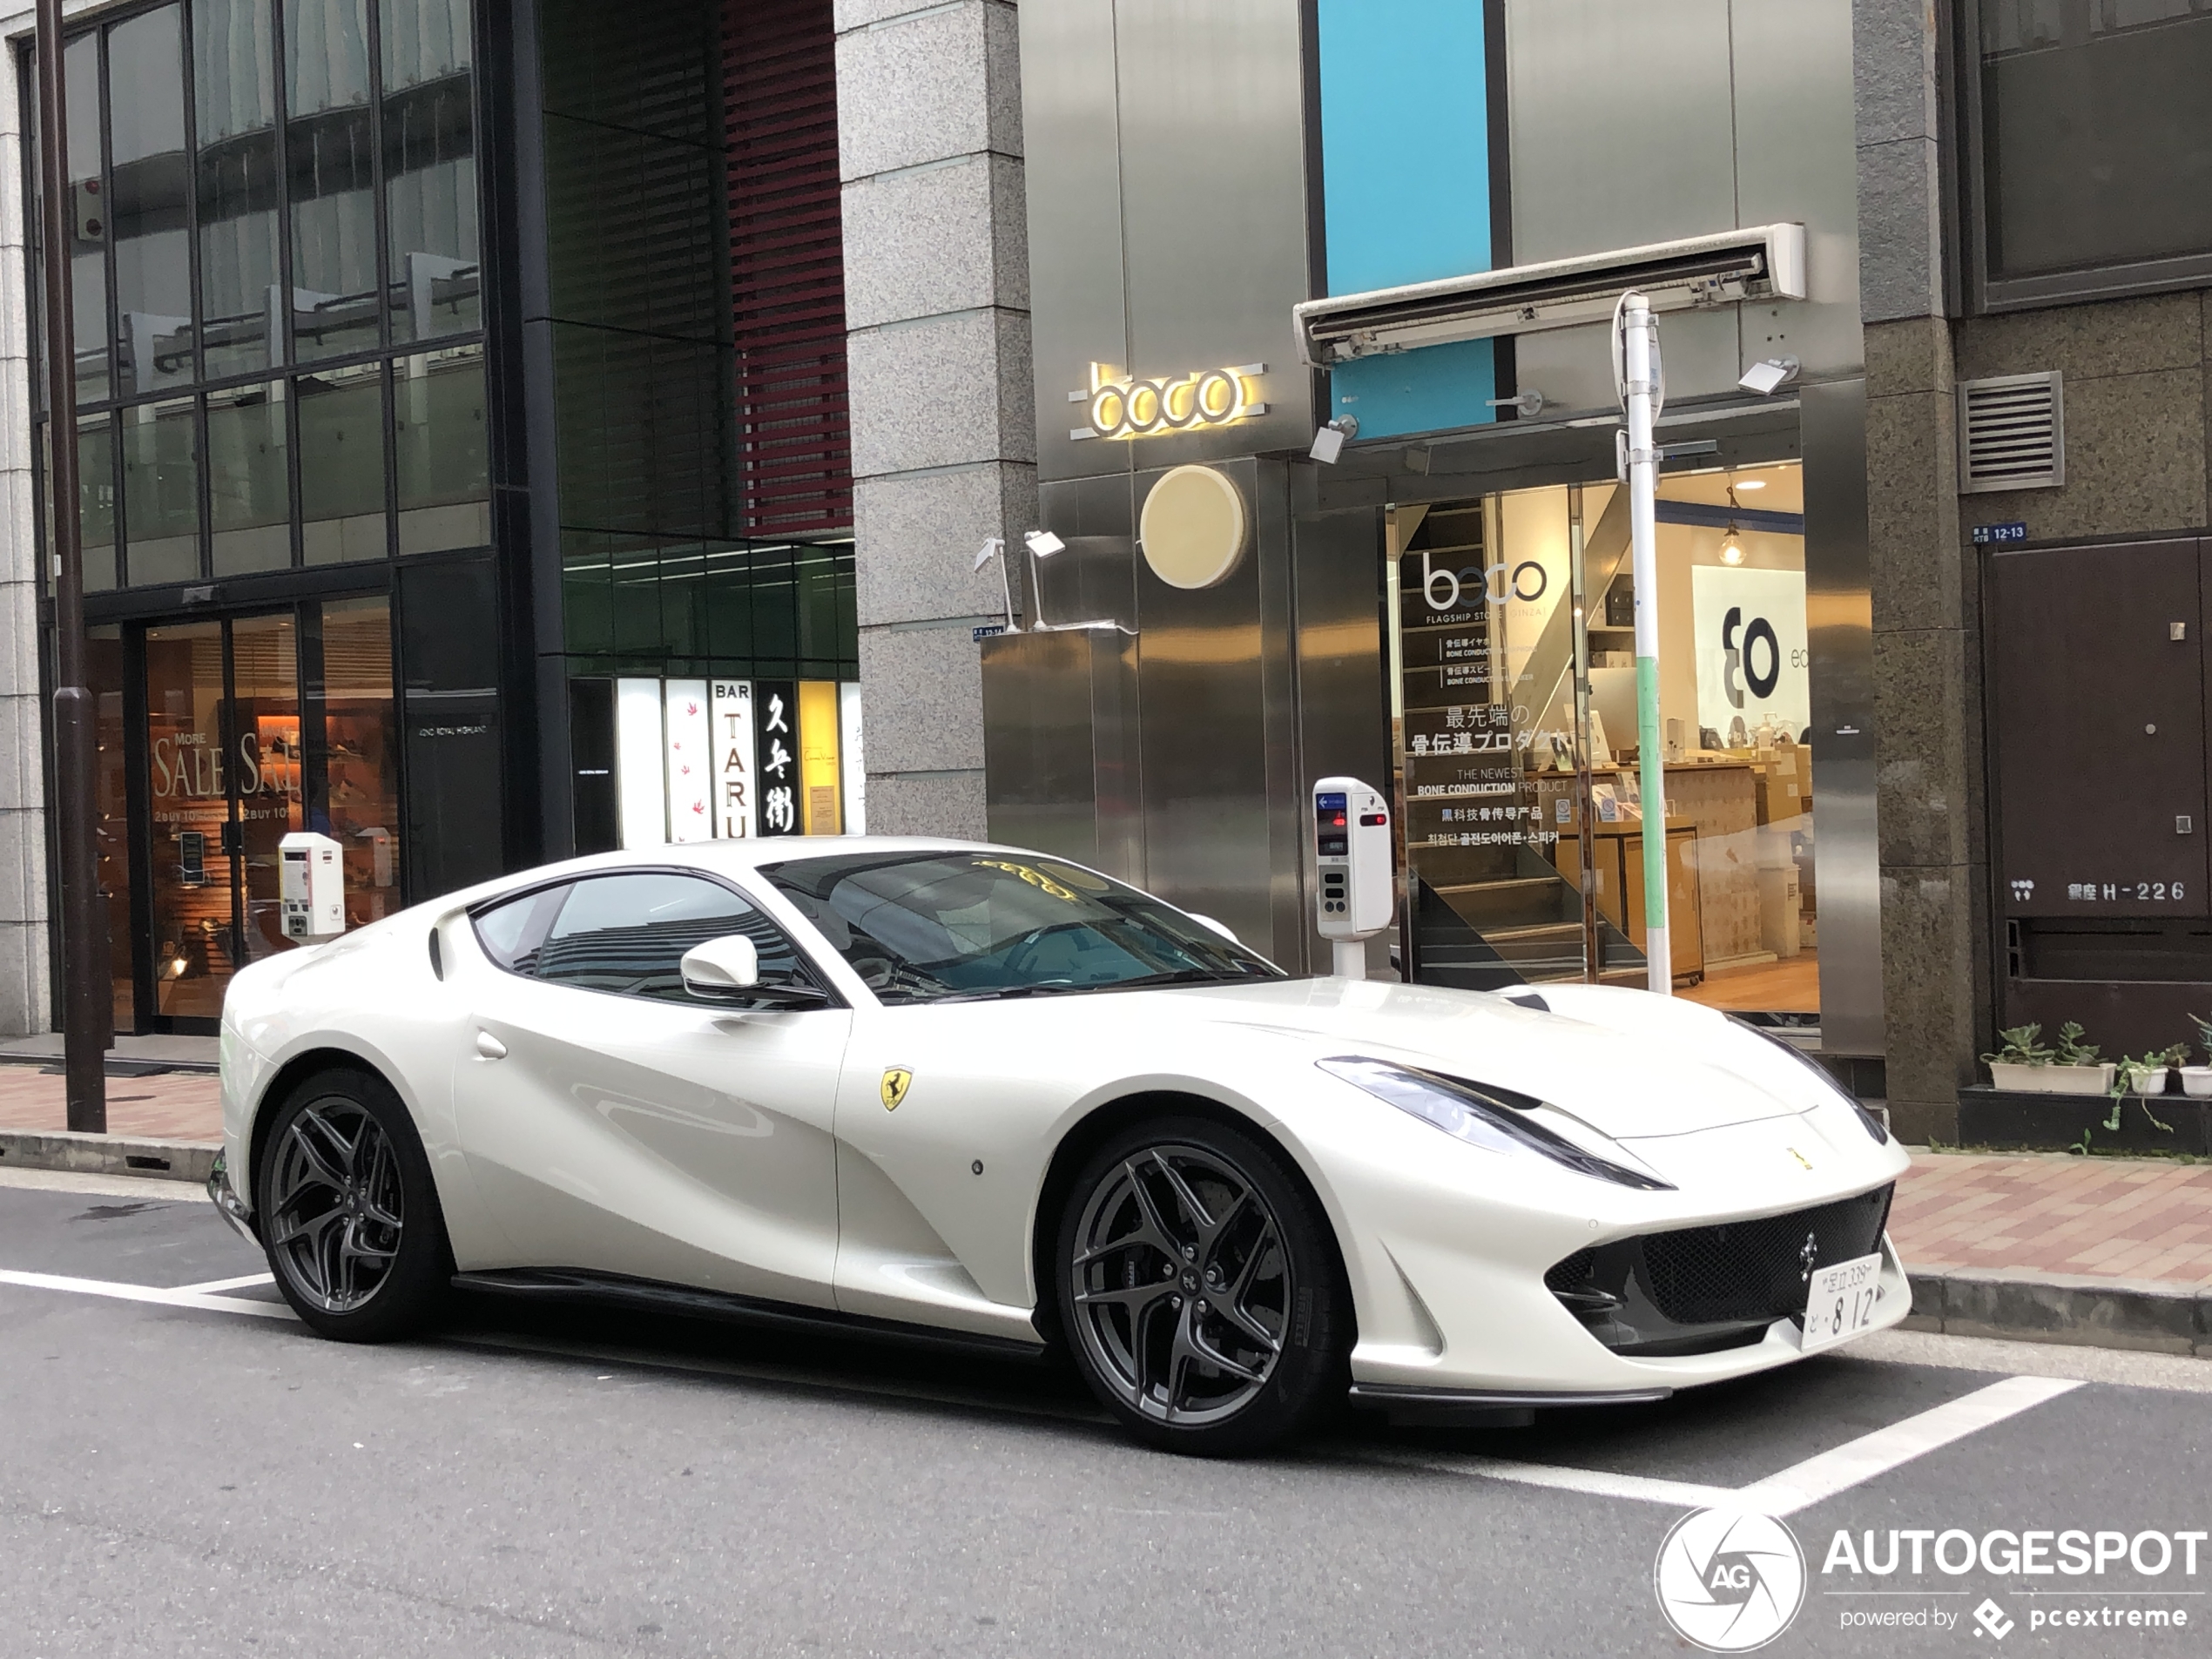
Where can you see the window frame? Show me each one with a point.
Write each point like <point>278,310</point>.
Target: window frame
<point>1989,294</point>
<point>831,998</point>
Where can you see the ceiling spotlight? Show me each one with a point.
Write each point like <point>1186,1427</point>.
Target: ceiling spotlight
<point>1329,441</point>
<point>1044,543</point>
<point>1751,484</point>
<point>1765,378</point>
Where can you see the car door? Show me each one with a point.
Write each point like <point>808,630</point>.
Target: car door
<point>613,1122</point>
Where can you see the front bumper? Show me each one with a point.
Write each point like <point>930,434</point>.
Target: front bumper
<point>227,1203</point>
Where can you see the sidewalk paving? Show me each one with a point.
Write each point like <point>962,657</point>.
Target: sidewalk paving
<point>171,1106</point>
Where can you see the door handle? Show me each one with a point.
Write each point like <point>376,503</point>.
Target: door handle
<point>490,1046</point>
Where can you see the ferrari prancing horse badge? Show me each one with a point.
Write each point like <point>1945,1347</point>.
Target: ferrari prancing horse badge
<point>896,1081</point>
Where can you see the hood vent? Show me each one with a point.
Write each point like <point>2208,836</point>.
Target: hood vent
<point>2012,433</point>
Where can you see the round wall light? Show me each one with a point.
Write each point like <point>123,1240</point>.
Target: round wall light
<point>1193,528</point>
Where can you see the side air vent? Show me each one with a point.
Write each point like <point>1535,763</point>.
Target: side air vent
<point>2012,433</point>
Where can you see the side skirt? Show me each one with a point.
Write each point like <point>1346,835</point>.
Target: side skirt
<point>640,1295</point>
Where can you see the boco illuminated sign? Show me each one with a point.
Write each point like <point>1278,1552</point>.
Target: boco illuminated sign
<point>1120,406</point>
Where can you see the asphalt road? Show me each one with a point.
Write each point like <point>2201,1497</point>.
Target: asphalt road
<point>188,1476</point>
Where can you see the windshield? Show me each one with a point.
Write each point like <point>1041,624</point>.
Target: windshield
<point>925,928</point>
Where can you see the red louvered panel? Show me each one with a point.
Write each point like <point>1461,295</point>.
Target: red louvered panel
<point>787,275</point>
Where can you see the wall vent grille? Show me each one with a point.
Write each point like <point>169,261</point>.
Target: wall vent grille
<point>2012,433</point>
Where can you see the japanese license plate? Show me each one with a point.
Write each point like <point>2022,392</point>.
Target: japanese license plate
<point>1839,1302</point>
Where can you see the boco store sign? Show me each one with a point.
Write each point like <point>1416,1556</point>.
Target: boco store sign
<point>1118,405</point>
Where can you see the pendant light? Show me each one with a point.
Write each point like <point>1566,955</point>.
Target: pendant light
<point>1732,539</point>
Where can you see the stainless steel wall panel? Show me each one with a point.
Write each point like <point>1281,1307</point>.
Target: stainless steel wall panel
<point>1058,731</point>
<point>1202,738</point>
<point>1071,137</point>
<point>1839,615</point>
<point>1573,366</point>
<point>1619,112</point>
<point>1272,547</point>
<point>1343,708</point>
<point>1797,159</point>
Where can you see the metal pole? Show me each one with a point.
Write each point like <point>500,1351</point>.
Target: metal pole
<point>85,993</point>
<point>1640,352</point>
<point>1585,833</point>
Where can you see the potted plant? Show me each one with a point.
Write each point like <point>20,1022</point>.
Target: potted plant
<point>2024,1062</point>
<point>2146,1074</point>
<point>2197,1080</point>
<point>2075,1067</point>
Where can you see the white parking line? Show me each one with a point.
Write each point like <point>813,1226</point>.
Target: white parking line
<point>1801,1484</point>
<point>244,1281</point>
<point>1804,1484</point>
<point>189,1297</point>
<point>1796,1487</point>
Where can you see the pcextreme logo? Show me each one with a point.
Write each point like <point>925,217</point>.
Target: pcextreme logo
<point>1729,1582</point>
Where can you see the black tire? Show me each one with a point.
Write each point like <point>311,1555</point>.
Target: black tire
<point>1201,1291</point>
<point>347,1211</point>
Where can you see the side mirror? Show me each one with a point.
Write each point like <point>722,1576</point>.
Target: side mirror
<point>728,969</point>
<point>1220,927</point>
<point>721,966</point>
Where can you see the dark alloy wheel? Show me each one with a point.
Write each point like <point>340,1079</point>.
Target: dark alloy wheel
<point>1201,1289</point>
<point>347,1212</point>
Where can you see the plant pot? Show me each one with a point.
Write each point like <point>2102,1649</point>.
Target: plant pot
<point>2147,1080</point>
<point>2078,1080</point>
<point>2197,1081</point>
<point>2007,1074</point>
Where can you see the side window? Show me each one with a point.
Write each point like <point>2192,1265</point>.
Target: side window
<point>628,933</point>
<point>512,932</point>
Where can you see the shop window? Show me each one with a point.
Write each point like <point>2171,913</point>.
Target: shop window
<point>342,465</point>
<point>1517,739</point>
<point>330,164</point>
<point>444,475</point>
<point>2095,146</point>
<point>161,492</point>
<point>429,169</point>
<point>360,760</point>
<point>249,480</point>
<point>234,105</point>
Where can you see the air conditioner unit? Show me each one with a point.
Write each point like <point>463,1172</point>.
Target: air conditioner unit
<point>1764,262</point>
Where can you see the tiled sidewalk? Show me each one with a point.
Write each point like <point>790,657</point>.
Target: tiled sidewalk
<point>2144,1221</point>
<point>172,1106</point>
<point>2147,1221</point>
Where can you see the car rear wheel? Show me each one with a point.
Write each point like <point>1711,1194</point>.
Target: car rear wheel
<point>1202,1293</point>
<point>347,1212</point>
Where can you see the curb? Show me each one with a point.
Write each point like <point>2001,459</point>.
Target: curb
<point>2055,1307</point>
<point>107,1154</point>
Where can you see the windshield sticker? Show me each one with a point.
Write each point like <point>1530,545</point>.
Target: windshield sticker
<point>1037,879</point>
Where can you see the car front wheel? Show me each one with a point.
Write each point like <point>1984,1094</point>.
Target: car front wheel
<point>347,1211</point>
<point>1202,1293</point>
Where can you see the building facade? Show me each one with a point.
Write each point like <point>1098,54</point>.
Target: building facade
<point>641,365</point>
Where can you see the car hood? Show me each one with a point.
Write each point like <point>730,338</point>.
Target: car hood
<point>1630,1064</point>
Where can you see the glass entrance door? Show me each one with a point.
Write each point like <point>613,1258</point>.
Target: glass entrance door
<point>224,786</point>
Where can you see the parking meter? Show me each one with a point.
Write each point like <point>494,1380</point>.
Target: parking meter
<point>1356,893</point>
<point>312,886</point>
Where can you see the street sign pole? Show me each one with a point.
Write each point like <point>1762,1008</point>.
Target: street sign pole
<point>1636,350</point>
<point>85,1010</point>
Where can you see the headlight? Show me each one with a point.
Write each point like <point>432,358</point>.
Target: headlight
<point>1490,1118</point>
<point>1872,1124</point>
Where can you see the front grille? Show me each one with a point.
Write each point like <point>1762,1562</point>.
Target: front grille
<point>1755,1270</point>
<point>1698,1288</point>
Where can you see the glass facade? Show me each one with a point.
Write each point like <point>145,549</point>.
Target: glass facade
<point>268,186</point>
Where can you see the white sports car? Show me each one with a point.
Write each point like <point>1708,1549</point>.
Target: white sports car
<point>937,1088</point>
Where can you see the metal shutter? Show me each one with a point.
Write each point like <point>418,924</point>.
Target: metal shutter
<point>2012,433</point>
